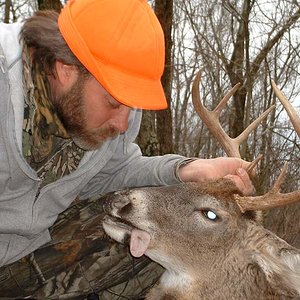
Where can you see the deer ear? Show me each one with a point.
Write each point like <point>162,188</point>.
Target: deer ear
<point>281,267</point>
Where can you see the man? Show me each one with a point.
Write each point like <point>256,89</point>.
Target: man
<point>72,89</point>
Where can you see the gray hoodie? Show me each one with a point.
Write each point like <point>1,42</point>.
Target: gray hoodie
<point>25,215</point>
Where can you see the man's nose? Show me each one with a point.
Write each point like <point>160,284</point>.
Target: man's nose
<point>120,119</point>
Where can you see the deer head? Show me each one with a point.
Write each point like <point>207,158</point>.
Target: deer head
<point>210,250</point>
<point>205,234</point>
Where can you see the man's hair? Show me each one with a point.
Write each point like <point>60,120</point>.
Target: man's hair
<point>40,33</point>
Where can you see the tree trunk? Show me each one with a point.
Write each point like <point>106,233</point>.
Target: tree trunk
<point>147,138</point>
<point>164,12</point>
<point>235,70</point>
<point>238,63</point>
<point>50,4</point>
<point>7,11</point>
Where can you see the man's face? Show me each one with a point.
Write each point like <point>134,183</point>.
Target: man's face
<point>90,114</point>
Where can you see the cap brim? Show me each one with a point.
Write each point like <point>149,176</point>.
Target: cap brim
<point>133,91</point>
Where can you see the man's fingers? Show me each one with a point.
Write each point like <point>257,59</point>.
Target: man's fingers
<point>242,181</point>
<point>242,173</point>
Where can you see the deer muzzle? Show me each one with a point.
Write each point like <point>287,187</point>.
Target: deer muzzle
<point>117,223</point>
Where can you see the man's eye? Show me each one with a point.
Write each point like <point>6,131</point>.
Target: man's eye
<point>210,215</point>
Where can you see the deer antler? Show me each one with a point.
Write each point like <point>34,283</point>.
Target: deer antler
<point>295,119</point>
<point>273,198</point>
<point>211,119</point>
<point>269,200</point>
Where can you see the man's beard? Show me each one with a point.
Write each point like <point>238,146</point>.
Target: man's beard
<point>70,109</point>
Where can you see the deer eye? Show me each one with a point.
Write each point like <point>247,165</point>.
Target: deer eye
<point>210,215</point>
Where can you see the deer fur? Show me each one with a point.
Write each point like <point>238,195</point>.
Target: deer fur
<point>231,257</point>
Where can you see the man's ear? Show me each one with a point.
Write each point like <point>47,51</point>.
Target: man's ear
<point>66,74</point>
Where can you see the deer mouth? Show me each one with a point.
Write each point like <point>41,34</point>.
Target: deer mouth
<point>116,228</point>
<point>122,232</point>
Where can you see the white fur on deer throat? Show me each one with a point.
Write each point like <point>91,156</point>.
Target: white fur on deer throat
<point>175,274</point>
<point>171,279</point>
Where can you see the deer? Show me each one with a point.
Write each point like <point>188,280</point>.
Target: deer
<point>207,235</point>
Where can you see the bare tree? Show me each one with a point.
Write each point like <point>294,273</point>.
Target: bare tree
<point>156,135</point>
<point>248,42</point>
<point>164,12</point>
<point>49,4</point>
<point>7,5</point>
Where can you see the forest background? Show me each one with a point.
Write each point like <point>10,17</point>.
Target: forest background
<point>231,41</point>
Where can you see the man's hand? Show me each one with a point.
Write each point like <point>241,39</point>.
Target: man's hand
<point>228,167</point>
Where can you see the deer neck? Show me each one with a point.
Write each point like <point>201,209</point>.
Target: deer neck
<point>234,274</point>
<point>244,282</point>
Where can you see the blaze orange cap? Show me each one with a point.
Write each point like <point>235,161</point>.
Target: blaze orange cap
<point>121,43</point>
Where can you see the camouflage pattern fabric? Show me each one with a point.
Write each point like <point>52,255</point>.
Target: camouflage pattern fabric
<point>80,260</point>
<point>46,145</point>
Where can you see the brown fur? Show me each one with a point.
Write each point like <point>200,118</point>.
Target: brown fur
<point>231,257</point>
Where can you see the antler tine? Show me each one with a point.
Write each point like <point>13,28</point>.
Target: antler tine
<point>274,198</point>
<point>244,135</point>
<point>211,119</point>
<point>254,163</point>
<point>269,200</point>
<point>294,117</point>
<point>225,99</point>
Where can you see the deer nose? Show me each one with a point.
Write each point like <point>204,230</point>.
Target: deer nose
<point>116,201</point>
<point>120,202</point>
